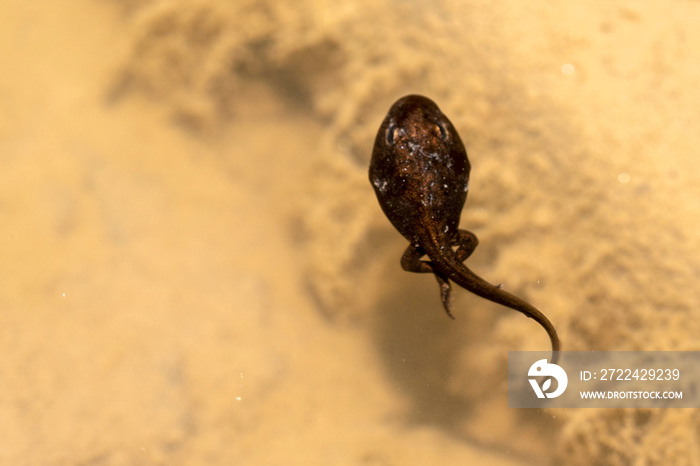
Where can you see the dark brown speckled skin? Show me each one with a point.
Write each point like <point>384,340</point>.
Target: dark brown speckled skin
<point>420,173</point>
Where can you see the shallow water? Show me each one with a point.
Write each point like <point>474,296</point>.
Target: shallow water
<point>195,269</point>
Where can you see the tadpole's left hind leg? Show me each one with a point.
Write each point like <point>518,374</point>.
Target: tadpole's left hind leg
<point>410,262</point>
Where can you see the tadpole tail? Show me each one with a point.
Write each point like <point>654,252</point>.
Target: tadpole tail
<point>464,277</point>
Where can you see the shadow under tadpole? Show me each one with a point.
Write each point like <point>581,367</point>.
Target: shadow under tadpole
<point>423,350</point>
<point>419,343</point>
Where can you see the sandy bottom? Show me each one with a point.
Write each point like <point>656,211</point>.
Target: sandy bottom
<point>194,269</point>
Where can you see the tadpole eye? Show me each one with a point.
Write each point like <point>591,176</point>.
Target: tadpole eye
<point>391,133</point>
<point>443,130</point>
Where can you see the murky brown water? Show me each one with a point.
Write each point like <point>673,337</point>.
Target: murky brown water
<point>195,269</point>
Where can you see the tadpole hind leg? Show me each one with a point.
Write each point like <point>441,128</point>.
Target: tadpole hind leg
<point>466,242</point>
<point>445,290</point>
<point>411,262</point>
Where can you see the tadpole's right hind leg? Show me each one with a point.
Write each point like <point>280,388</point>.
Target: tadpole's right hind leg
<point>411,262</point>
<point>466,242</point>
